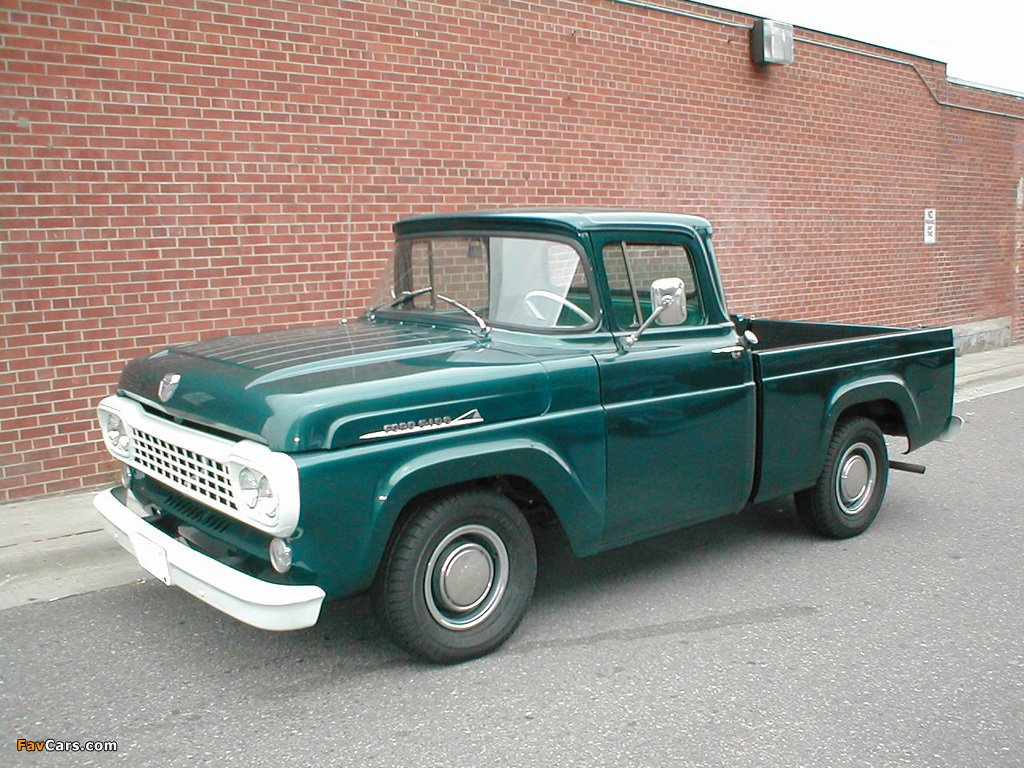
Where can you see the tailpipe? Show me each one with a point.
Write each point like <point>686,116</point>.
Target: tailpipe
<point>906,466</point>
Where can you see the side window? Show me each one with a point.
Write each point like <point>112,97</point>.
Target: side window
<point>631,267</point>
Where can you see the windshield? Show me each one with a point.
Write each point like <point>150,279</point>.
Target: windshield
<point>507,281</point>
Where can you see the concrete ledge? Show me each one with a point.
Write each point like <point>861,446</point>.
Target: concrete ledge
<point>982,335</point>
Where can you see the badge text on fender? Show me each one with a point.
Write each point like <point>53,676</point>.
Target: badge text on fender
<point>425,425</point>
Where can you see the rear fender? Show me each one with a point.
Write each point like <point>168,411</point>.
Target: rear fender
<point>874,388</point>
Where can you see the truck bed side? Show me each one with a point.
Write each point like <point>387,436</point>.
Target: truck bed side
<point>811,374</point>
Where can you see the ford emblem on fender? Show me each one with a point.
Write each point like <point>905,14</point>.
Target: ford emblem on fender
<point>168,386</point>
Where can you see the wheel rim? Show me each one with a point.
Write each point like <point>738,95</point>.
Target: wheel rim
<point>466,577</point>
<point>856,478</point>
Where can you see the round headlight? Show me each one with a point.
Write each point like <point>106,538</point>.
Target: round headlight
<point>256,493</point>
<point>117,434</point>
<point>280,555</point>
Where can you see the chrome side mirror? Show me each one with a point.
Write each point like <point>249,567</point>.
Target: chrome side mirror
<point>675,310</point>
<point>668,303</point>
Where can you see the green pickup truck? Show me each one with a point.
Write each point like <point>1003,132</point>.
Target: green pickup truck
<point>517,367</point>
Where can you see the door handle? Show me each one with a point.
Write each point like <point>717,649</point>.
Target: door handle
<point>735,351</point>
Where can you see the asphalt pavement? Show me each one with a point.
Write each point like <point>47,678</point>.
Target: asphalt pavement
<point>54,547</point>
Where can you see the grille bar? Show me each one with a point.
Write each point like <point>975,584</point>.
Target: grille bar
<point>184,468</point>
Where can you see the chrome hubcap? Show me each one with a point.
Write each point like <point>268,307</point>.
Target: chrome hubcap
<point>855,481</point>
<point>466,577</point>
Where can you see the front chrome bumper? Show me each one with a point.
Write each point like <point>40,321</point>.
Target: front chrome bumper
<point>248,599</point>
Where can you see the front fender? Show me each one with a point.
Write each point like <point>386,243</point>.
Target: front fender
<point>352,498</point>
<point>579,510</point>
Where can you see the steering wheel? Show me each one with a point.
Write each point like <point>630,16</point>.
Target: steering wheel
<point>539,294</point>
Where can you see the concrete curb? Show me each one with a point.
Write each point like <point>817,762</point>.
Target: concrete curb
<point>55,547</point>
<point>989,373</point>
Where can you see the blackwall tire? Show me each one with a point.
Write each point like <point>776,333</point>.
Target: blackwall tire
<point>457,577</point>
<point>848,494</point>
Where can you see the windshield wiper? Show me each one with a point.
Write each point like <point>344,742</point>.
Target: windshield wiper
<point>404,296</point>
<point>401,298</point>
<point>484,328</point>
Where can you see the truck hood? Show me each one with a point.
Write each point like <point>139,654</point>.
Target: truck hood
<point>341,385</point>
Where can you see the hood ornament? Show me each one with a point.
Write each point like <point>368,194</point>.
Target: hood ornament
<point>168,386</point>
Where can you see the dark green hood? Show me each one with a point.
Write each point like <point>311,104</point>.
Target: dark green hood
<point>341,385</point>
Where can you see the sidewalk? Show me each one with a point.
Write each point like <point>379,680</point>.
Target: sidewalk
<point>55,547</point>
<point>989,373</point>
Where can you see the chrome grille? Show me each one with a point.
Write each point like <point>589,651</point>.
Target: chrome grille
<point>187,470</point>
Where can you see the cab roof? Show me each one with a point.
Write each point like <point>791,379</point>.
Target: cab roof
<point>566,220</point>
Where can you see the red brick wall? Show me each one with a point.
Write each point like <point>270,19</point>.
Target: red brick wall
<point>184,169</point>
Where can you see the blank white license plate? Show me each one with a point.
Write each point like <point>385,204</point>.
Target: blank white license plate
<point>152,557</point>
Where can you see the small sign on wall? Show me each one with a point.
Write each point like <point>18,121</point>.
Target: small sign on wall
<point>929,226</point>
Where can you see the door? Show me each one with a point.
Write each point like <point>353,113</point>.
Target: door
<point>680,401</point>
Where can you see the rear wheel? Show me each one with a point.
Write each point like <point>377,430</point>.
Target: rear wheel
<point>457,577</point>
<point>848,494</point>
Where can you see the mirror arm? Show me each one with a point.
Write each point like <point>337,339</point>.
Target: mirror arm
<point>666,302</point>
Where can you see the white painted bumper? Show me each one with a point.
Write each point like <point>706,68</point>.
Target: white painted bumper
<point>248,599</point>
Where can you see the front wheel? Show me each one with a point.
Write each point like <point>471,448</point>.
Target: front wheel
<point>457,577</point>
<point>848,494</point>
